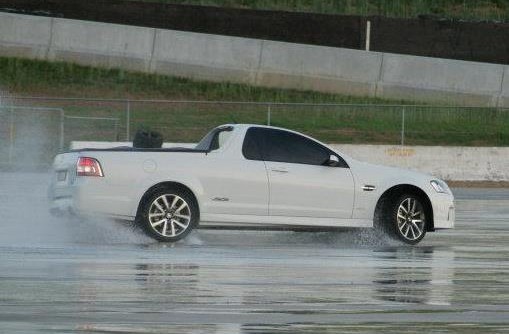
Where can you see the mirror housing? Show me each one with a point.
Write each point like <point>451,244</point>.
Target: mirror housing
<point>333,161</point>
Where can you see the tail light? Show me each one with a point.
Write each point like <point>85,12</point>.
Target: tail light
<point>88,167</point>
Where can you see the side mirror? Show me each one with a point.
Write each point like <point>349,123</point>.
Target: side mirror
<point>333,161</point>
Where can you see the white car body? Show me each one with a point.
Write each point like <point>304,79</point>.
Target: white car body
<point>232,190</point>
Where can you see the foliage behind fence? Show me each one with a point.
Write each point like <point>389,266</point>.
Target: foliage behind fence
<point>37,128</point>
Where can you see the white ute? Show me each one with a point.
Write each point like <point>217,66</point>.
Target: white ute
<point>248,176</point>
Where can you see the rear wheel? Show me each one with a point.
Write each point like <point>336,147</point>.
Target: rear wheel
<point>169,214</point>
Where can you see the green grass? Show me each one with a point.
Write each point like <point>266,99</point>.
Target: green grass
<point>497,10</point>
<point>354,120</point>
<point>65,79</point>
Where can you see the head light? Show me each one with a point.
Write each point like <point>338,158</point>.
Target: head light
<point>440,186</point>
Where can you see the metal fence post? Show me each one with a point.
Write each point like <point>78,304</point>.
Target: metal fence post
<point>62,129</point>
<point>11,135</point>
<point>128,120</point>
<point>116,131</point>
<point>403,127</point>
<point>268,114</point>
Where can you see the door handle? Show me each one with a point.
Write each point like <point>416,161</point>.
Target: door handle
<point>279,170</point>
<point>368,187</point>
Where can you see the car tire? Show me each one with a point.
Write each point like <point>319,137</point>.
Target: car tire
<point>407,218</point>
<point>168,214</point>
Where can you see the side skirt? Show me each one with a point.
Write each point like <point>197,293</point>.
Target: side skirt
<point>278,222</point>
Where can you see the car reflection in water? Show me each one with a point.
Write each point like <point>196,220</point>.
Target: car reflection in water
<point>422,275</point>
<point>237,288</point>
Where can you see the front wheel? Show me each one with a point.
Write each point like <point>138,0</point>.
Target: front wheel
<point>407,219</point>
<point>169,214</point>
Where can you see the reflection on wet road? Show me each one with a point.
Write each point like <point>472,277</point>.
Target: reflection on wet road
<point>60,276</point>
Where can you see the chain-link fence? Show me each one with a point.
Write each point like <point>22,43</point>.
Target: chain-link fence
<point>34,129</point>
<point>33,135</point>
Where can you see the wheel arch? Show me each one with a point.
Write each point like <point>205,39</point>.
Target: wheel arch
<point>167,184</point>
<point>400,189</point>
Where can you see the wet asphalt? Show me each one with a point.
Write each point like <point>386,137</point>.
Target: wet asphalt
<point>66,276</point>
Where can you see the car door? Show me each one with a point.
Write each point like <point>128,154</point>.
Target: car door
<point>300,183</point>
<point>232,185</point>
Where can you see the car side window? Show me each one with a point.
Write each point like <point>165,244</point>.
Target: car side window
<point>251,148</point>
<point>282,146</point>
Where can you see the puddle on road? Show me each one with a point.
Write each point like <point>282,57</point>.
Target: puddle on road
<point>59,275</point>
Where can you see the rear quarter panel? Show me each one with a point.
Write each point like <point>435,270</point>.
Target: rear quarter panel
<point>128,175</point>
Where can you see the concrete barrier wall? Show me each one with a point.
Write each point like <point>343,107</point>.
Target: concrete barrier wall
<point>503,98</point>
<point>448,163</point>
<point>210,57</point>
<point>24,36</point>
<point>101,44</point>
<point>319,68</point>
<point>440,80</point>
<point>260,62</point>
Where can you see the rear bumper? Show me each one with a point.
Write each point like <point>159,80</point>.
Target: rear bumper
<point>61,196</point>
<point>87,196</point>
<point>62,207</point>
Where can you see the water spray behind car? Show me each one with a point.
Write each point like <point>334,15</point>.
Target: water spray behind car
<point>28,142</point>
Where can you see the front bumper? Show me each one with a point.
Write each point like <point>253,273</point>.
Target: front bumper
<point>444,213</point>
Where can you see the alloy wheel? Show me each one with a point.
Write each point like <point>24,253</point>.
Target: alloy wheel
<point>169,215</point>
<point>411,219</point>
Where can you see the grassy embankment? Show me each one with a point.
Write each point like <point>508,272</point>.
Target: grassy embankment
<point>364,123</point>
<point>497,10</point>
